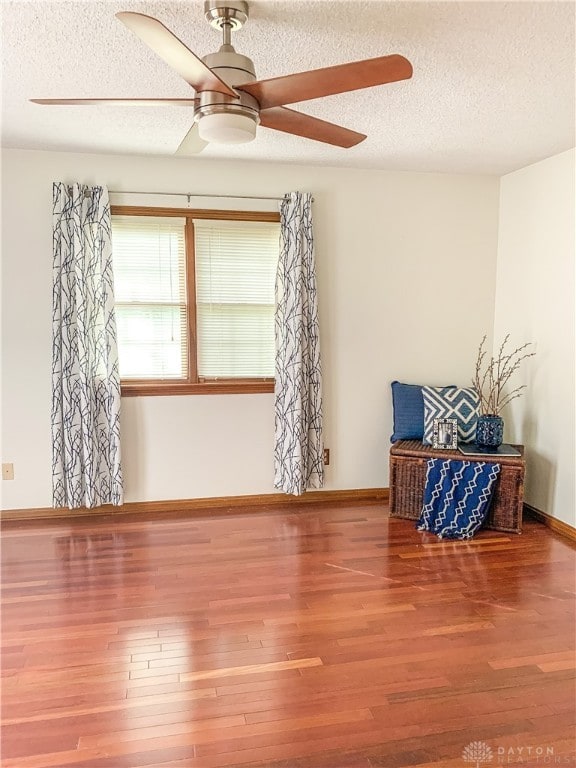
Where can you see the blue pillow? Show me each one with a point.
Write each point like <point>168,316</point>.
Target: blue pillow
<point>408,412</point>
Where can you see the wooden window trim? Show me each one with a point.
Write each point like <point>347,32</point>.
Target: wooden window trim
<point>194,213</point>
<point>148,387</point>
<point>191,309</point>
<point>192,385</point>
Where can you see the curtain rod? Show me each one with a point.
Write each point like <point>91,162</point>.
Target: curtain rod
<point>191,194</point>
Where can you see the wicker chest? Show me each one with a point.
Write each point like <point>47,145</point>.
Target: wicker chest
<point>408,475</point>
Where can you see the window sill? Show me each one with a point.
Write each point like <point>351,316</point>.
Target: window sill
<point>222,387</point>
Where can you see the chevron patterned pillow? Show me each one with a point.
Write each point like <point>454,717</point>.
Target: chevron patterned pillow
<point>451,403</point>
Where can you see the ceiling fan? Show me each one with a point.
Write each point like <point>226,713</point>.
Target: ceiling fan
<point>229,102</point>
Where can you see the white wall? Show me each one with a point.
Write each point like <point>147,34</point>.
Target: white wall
<point>406,277</point>
<point>535,302</point>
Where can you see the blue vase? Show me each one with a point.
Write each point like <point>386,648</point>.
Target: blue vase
<point>489,432</point>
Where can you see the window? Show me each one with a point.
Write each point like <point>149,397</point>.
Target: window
<point>149,259</point>
<point>194,293</point>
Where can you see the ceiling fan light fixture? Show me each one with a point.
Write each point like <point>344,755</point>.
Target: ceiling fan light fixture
<point>227,128</point>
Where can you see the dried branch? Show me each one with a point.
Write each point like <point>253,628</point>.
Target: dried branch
<point>512,396</point>
<point>492,375</point>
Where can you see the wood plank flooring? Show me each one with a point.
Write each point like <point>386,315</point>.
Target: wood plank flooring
<point>326,637</point>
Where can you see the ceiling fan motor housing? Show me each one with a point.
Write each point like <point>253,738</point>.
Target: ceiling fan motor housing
<point>221,117</point>
<point>242,112</point>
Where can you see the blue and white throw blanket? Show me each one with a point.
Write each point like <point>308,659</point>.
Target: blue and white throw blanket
<point>457,497</point>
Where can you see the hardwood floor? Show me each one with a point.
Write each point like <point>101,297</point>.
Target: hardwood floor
<point>330,637</point>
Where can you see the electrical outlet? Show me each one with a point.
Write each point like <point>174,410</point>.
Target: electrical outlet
<point>326,456</point>
<point>7,471</point>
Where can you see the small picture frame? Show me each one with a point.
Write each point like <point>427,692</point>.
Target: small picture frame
<point>445,434</point>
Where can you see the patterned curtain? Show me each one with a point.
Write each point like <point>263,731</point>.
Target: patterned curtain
<point>86,467</point>
<point>298,458</point>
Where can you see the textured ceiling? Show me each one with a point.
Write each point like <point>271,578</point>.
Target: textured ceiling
<point>493,87</point>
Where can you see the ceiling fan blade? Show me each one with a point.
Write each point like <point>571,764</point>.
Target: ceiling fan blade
<point>328,81</point>
<point>191,144</point>
<point>173,51</point>
<point>120,102</point>
<point>289,121</point>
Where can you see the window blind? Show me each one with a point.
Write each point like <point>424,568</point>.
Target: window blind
<point>236,265</point>
<point>149,263</point>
